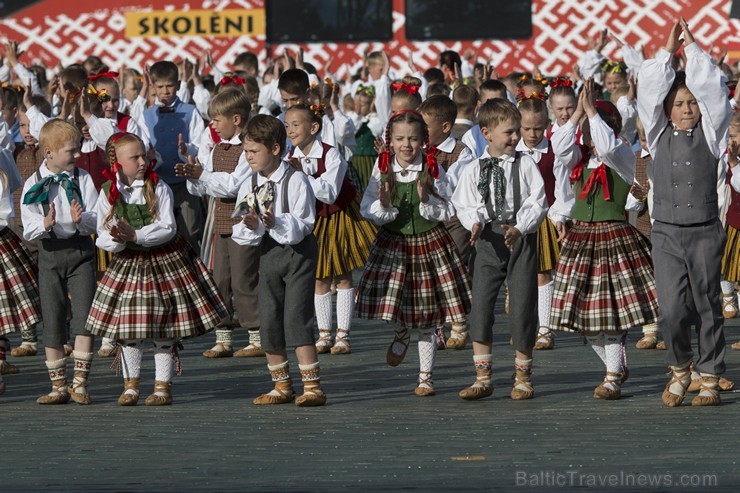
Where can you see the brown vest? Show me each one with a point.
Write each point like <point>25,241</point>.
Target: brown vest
<point>27,160</point>
<point>225,159</point>
<point>447,159</point>
<point>643,223</point>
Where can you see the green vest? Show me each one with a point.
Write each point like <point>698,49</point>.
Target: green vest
<point>137,215</point>
<point>406,199</point>
<point>365,141</point>
<point>594,208</point>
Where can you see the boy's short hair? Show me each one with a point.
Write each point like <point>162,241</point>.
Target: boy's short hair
<point>94,65</point>
<point>496,111</point>
<point>55,133</point>
<point>492,85</point>
<point>248,60</point>
<point>375,57</point>
<point>439,89</point>
<point>266,130</point>
<point>75,76</point>
<point>434,75</point>
<point>439,108</point>
<point>164,70</point>
<point>230,102</point>
<point>294,81</point>
<point>466,98</point>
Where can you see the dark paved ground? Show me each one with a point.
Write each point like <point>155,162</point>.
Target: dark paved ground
<point>374,434</point>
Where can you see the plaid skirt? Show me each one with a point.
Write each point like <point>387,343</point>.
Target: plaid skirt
<point>604,280</point>
<point>162,293</point>
<point>731,257</point>
<point>415,280</point>
<point>548,249</point>
<point>20,305</point>
<point>344,241</point>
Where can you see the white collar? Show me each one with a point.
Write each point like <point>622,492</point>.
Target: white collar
<point>276,176</point>
<point>504,157</point>
<point>448,145</point>
<point>464,121</point>
<point>644,153</point>
<point>415,166</point>
<point>541,146</point>
<point>44,171</point>
<point>315,152</point>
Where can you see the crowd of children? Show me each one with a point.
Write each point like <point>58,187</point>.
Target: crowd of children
<point>153,207</point>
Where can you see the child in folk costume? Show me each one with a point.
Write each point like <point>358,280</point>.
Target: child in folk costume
<point>557,190</point>
<point>414,277</point>
<point>604,282</point>
<point>19,292</point>
<point>278,210</point>
<point>686,119</point>
<point>155,287</point>
<point>439,113</point>
<point>501,200</point>
<point>235,267</point>
<point>58,210</point>
<point>343,236</point>
<point>368,128</point>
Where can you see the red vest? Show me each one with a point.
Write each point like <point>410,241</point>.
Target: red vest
<point>733,211</point>
<point>547,168</point>
<point>94,163</point>
<point>122,120</point>
<point>346,193</point>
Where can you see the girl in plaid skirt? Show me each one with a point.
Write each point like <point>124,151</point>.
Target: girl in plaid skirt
<point>19,290</point>
<point>604,280</point>
<point>414,277</point>
<point>343,236</point>
<point>155,287</point>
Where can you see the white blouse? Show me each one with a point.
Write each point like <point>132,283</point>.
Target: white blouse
<point>327,186</point>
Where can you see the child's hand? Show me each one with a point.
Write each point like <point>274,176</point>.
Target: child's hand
<point>268,218</point>
<point>84,105</point>
<point>384,195</point>
<point>562,229</point>
<point>575,119</point>
<point>190,170</point>
<point>12,53</point>
<point>145,83</point>
<point>632,92</point>
<point>588,98</point>
<point>732,151</point>
<point>511,234</point>
<point>299,60</point>
<point>75,210</point>
<point>379,145</point>
<point>598,42</point>
<point>51,218</point>
<point>197,80</point>
<point>122,232</point>
<point>475,234</point>
<point>386,63</point>
<point>251,220</point>
<point>27,96</point>
<point>615,39</point>
<point>411,64</point>
<point>639,191</point>
<point>182,148</point>
<point>673,43</point>
<point>334,98</point>
<point>688,38</point>
<point>423,195</point>
<point>51,89</point>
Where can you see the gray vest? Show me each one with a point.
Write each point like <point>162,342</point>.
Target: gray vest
<point>685,178</point>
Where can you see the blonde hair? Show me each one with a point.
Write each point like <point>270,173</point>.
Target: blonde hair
<point>55,133</point>
<point>230,102</point>
<point>150,196</point>
<point>496,111</point>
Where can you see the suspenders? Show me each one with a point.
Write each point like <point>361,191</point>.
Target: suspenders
<point>517,196</point>
<point>45,204</point>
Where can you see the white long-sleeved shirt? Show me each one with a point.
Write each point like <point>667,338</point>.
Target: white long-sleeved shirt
<point>455,169</point>
<point>704,80</point>
<point>561,209</point>
<point>344,134</point>
<point>327,186</point>
<point>628,111</point>
<point>102,128</point>
<point>6,204</point>
<point>533,203</point>
<point>434,210</point>
<point>221,184</point>
<point>159,232</point>
<point>589,65</point>
<point>32,215</point>
<point>290,227</point>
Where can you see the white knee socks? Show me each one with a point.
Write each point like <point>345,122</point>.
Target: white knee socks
<point>427,354</point>
<point>544,303</point>
<point>131,353</point>
<point>345,307</point>
<point>597,343</point>
<point>322,305</point>
<point>164,363</point>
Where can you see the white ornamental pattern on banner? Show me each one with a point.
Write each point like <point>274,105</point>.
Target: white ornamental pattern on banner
<point>560,30</point>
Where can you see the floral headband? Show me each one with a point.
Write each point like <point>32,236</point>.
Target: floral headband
<point>100,95</point>
<point>367,90</point>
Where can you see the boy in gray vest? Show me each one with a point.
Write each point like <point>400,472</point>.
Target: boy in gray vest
<point>686,119</point>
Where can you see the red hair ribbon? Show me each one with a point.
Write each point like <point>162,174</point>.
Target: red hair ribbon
<point>110,75</point>
<point>409,88</point>
<point>112,174</point>
<point>384,161</point>
<point>236,80</point>
<point>432,164</point>
<point>534,95</point>
<point>561,81</point>
<point>74,96</point>
<point>598,176</point>
<point>150,174</point>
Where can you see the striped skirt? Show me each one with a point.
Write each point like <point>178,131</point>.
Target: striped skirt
<point>344,241</point>
<point>604,280</point>
<point>731,257</point>
<point>354,177</point>
<point>162,293</point>
<point>364,166</point>
<point>548,249</point>
<point>20,305</point>
<point>415,280</point>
